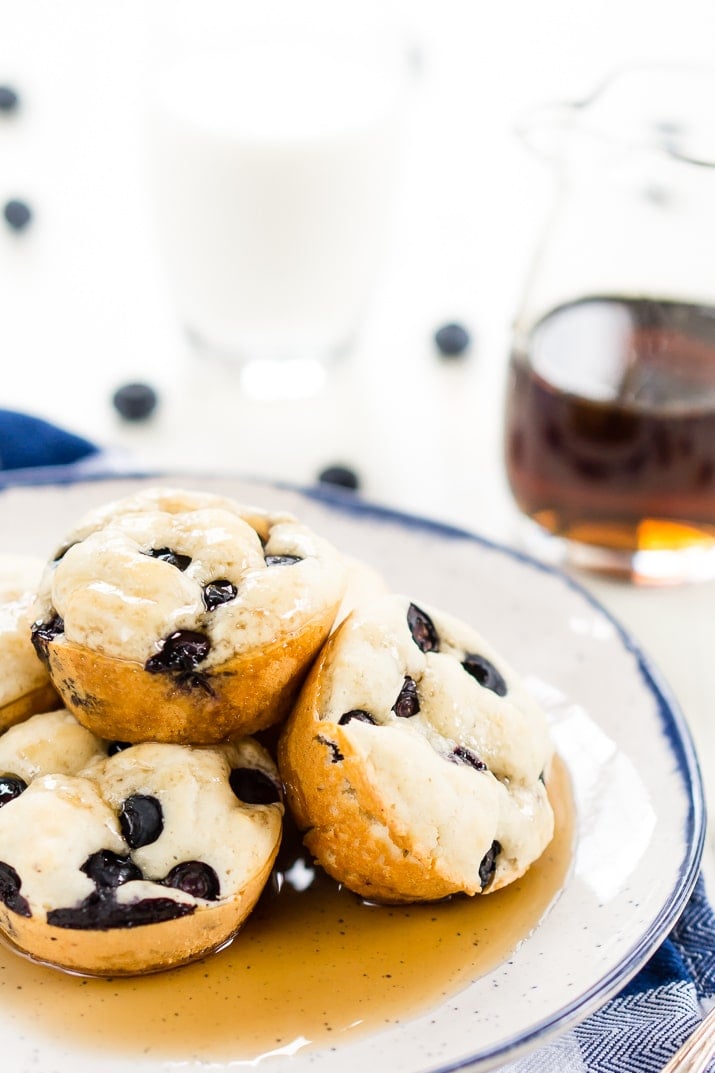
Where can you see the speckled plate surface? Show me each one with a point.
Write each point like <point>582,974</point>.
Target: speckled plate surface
<point>637,790</point>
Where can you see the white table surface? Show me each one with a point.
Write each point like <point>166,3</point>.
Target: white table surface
<point>83,304</point>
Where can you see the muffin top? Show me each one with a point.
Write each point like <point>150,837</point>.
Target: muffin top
<point>129,835</point>
<point>163,562</point>
<point>425,672</point>
<point>439,739</point>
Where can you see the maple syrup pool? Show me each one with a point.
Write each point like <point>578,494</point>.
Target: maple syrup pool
<point>313,965</point>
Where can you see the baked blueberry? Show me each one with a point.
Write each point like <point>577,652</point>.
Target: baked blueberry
<point>195,878</point>
<point>141,820</point>
<point>422,629</point>
<point>356,713</point>
<point>10,896</point>
<point>41,633</point>
<point>100,913</point>
<point>463,755</point>
<point>173,557</point>
<point>181,652</point>
<point>484,671</point>
<point>407,703</point>
<point>336,757</point>
<point>118,747</point>
<point>253,786</point>
<point>217,593</point>
<point>63,551</point>
<point>488,864</point>
<point>10,787</point>
<point>109,870</point>
<point>282,560</point>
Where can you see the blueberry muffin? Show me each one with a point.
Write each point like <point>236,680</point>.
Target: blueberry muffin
<point>184,617</point>
<point>363,584</point>
<point>415,759</point>
<point>118,860</point>
<point>46,743</point>
<point>25,685</point>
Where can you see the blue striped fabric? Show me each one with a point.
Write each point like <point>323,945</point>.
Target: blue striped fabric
<point>640,1029</point>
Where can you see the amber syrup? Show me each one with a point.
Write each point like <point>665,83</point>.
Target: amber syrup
<point>313,967</point>
<point>610,424</point>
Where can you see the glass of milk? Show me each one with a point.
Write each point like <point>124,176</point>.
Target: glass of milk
<point>273,169</point>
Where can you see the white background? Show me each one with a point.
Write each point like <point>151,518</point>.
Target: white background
<point>84,308</point>
<point>83,301</point>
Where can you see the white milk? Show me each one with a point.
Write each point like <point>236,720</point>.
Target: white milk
<point>273,172</point>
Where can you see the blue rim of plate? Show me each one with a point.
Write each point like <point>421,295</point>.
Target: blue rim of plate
<point>675,728</point>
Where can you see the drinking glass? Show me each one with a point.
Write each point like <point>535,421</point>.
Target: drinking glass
<point>274,152</point>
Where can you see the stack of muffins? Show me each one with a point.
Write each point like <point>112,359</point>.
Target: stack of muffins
<point>141,814</point>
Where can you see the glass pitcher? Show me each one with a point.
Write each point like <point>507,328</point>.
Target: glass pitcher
<point>610,411</point>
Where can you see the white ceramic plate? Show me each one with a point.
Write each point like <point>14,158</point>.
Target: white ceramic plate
<point>636,782</point>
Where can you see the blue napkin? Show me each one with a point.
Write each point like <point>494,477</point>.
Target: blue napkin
<point>635,1032</point>
<point>33,451</point>
<point>640,1029</point>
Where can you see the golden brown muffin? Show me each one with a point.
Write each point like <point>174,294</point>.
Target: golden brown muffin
<point>132,862</point>
<point>184,617</point>
<point>414,759</point>
<point>25,686</point>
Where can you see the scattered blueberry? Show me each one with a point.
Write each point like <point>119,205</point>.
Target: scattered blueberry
<point>135,401</point>
<point>422,629</point>
<point>357,713</point>
<point>253,787</point>
<point>195,878</point>
<point>488,864</point>
<point>218,592</point>
<point>485,673</point>
<point>9,99</point>
<point>452,340</point>
<point>407,703</point>
<point>342,476</point>
<point>11,786</point>
<point>17,214</point>
<point>141,820</point>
